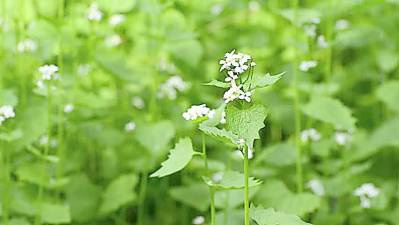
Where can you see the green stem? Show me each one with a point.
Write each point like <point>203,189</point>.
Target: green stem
<point>6,188</point>
<point>213,209</point>
<point>299,173</point>
<point>246,189</point>
<point>142,194</point>
<point>204,156</point>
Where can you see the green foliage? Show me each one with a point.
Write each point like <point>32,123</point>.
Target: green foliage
<point>178,158</point>
<point>268,216</point>
<point>195,195</point>
<point>55,213</point>
<point>231,180</point>
<point>389,94</point>
<point>155,137</point>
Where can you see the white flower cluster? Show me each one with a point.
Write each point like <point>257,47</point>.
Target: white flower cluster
<point>341,24</point>
<point>310,27</point>
<point>94,14</point>
<point>6,112</point>
<point>366,192</point>
<point>138,102</point>
<point>48,72</point>
<point>170,88</point>
<point>44,140</point>
<point>322,42</point>
<point>305,66</point>
<point>113,40</point>
<point>198,111</point>
<point>27,45</point>
<point>198,220</point>
<point>130,126</point>
<point>68,108</point>
<point>343,138</point>
<point>316,186</point>
<point>310,135</point>
<point>116,20</point>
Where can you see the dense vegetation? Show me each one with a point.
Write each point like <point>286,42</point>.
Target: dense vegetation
<point>219,112</point>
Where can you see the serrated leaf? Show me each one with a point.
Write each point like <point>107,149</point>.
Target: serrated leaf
<point>217,83</point>
<point>267,80</point>
<point>220,134</point>
<point>118,193</point>
<point>55,213</point>
<point>331,111</point>
<point>389,94</point>
<point>178,158</point>
<point>276,195</point>
<point>246,123</point>
<point>231,180</point>
<point>194,195</point>
<point>270,217</point>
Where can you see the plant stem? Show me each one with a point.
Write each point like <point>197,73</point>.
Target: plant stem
<point>246,189</point>
<point>299,175</point>
<point>142,194</point>
<point>204,156</point>
<point>213,209</point>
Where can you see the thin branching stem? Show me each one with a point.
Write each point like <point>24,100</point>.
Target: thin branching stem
<point>246,185</point>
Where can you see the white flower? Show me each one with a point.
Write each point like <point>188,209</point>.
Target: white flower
<point>113,40</point>
<point>84,69</point>
<point>315,20</point>
<point>316,187</point>
<point>7,111</point>
<point>198,220</point>
<point>246,96</point>
<point>130,126</point>
<point>48,72</point>
<point>196,111</point>
<point>321,42</point>
<point>94,13</point>
<point>217,9</point>
<point>116,19</point>
<point>217,177</point>
<point>27,45</point>
<point>138,102</point>
<point>233,93</point>
<point>365,192</point>
<point>306,65</point>
<point>310,30</point>
<point>310,135</point>
<point>171,86</point>
<point>235,64</point>
<point>341,24</point>
<point>342,138</point>
<point>43,140</point>
<point>68,108</point>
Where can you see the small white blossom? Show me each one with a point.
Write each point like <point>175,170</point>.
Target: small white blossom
<point>235,64</point>
<point>321,42</point>
<point>342,138</point>
<point>113,40</point>
<point>217,177</point>
<point>6,112</point>
<point>233,93</point>
<point>68,108</point>
<point>196,111</point>
<point>138,102</point>
<point>170,88</point>
<point>341,24</point>
<point>94,13</point>
<point>316,186</point>
<point>246,96</point>
<point>306,65</point>
<point>310,30</point>
<point>366,192</point>
<point>49,72</point>
<point>116,19</point>
<point>310,135</point>
<point>217,9</point>
<point>315,20</point>
<point>130,126</point>
<point>43,140</point>
<point>83,69</point>
<point>27,45</point>
<point>199,220</point>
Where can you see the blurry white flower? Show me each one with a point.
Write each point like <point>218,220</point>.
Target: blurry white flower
<point>315,20</point>
<point>49,72</point>
<point>316,187</point>
<point>310,30</point>
<point>196,111</point>
<point>246,96</point>
<point>94,13</point>
<point>43,140</point>
<point>68,108</point>
<point>341,24</point>
<point>164,65</point>
<point>116,19</point>
<point>113,40</point>
<point>321,42</point>
<point>138,102</point>
<point>6,112</point>
<point>84,69</point>
<point>27,45</point>
<point>217,9</point>
<point>171,86</point>
<point>310,135</point>
<point>306,65</point>
<point>365,192</point>
<point>198,220</point>
<point>253,6</point>
<point>130,126</point>
<point>233,93</point>
<point>342,138</point>
<point>217,177</point>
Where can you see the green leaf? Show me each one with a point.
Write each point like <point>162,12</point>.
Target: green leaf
<point>270,217</point>
<point>386,134</point>
<point>19,221</point>
<point>194,195</point>
<point>278,155</point>
<point>331,111</point>
<point>55,213</point>
<point>8,97</point>
<point>118,193</point>
<point>215,120</point>
<point>233,198</point>
<point>267,80</point>
<point>231,180</point>
<point>219,134</point>
<point>115,64</point>
<point>178,158</point>
<point>155,136</point>
<point>389,94</point>
<point>246,123</point>
<point>275,194</point>
<point>189,52</point>
<point>217,83</point>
